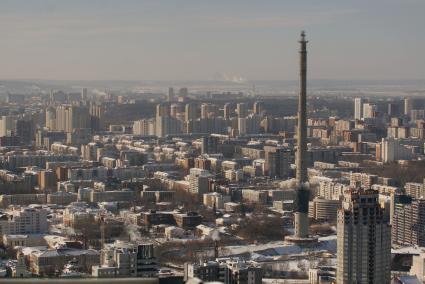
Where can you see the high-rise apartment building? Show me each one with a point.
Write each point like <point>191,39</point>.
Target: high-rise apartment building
<point>242,110</point>
<point>258,108</point>
<point>51,118</point>
<point>96,112</point>
<point>7,125</point>
<point>415,189</point>
<point>277,162</point>
<point>369,110</point>
<point>170,95</point>
<point>191,112</point>
<point>25,129</point>
<point>392,150</point>
<point>408,106</point>
<point>227,110</point>
<point>177,110</point>
<point>209,144</point>
<point>84,96</point>
<point>199,181</point>
<point>358,108</point>
<point>364,239</point>
<point>164,123</point>
<point>409,222</point>
<point>208,110</point>
<point>144,127</point>
<point>69,117</point>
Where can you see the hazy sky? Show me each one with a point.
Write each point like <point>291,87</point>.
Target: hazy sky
<point>201,40</point>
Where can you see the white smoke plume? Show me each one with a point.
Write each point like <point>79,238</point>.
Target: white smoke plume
<point>288,184</point>
<point>230,78</point>
<point>293,184</point>
<point>133,232</point>
<point>215,236</point>
<point>97,92</point>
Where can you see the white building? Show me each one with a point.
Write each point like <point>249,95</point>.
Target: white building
<point>358,108</point>
<point>369,110</point>
<point>144,127</point>
<point>408,106</point>
<point>392,150</point>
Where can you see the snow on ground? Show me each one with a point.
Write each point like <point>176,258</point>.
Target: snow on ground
<point>408,250</point>
<point>281,248</point>
<point>285,281</point>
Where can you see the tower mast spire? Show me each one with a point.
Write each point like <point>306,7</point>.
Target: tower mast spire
<point>301,173</point>
<point>302,194</point>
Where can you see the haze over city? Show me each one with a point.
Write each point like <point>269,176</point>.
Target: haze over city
<point>210,40</point>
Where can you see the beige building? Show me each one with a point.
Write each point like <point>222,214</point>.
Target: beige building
<point>364,239</point>
<point>24,221</point>
<point>215,199</point>
<point>408,226</point>
<point>199,181</point>
<point>324,209</point>
<point>47,180</point>
<point>110,196</point>
<point>30,240</point>
<point>415,190</point>
<point>418,266</point>
<point>46,262</point>
<point>255,196</point>
<point>61,198</point>
<point>22,199</point>
<point>69,117</point>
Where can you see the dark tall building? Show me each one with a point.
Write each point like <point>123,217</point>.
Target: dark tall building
<point>170,96</point>
<point>364,239</point>
<point>191,112</point>
<point>209,144</point>
<point>277,161</point>
<point>395,109</point>
<point>96,112</point>
<point>25,130</point>
<point>258,108</point>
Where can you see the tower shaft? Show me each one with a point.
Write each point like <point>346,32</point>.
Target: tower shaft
<point>301,173</point>
<point>302,194</point>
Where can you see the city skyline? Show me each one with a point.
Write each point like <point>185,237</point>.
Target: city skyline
<point>237,142</point>
<point>236,41</point>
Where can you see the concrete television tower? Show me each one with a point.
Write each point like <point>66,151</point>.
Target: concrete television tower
<point>302,114</point>
<point>302,192</point>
